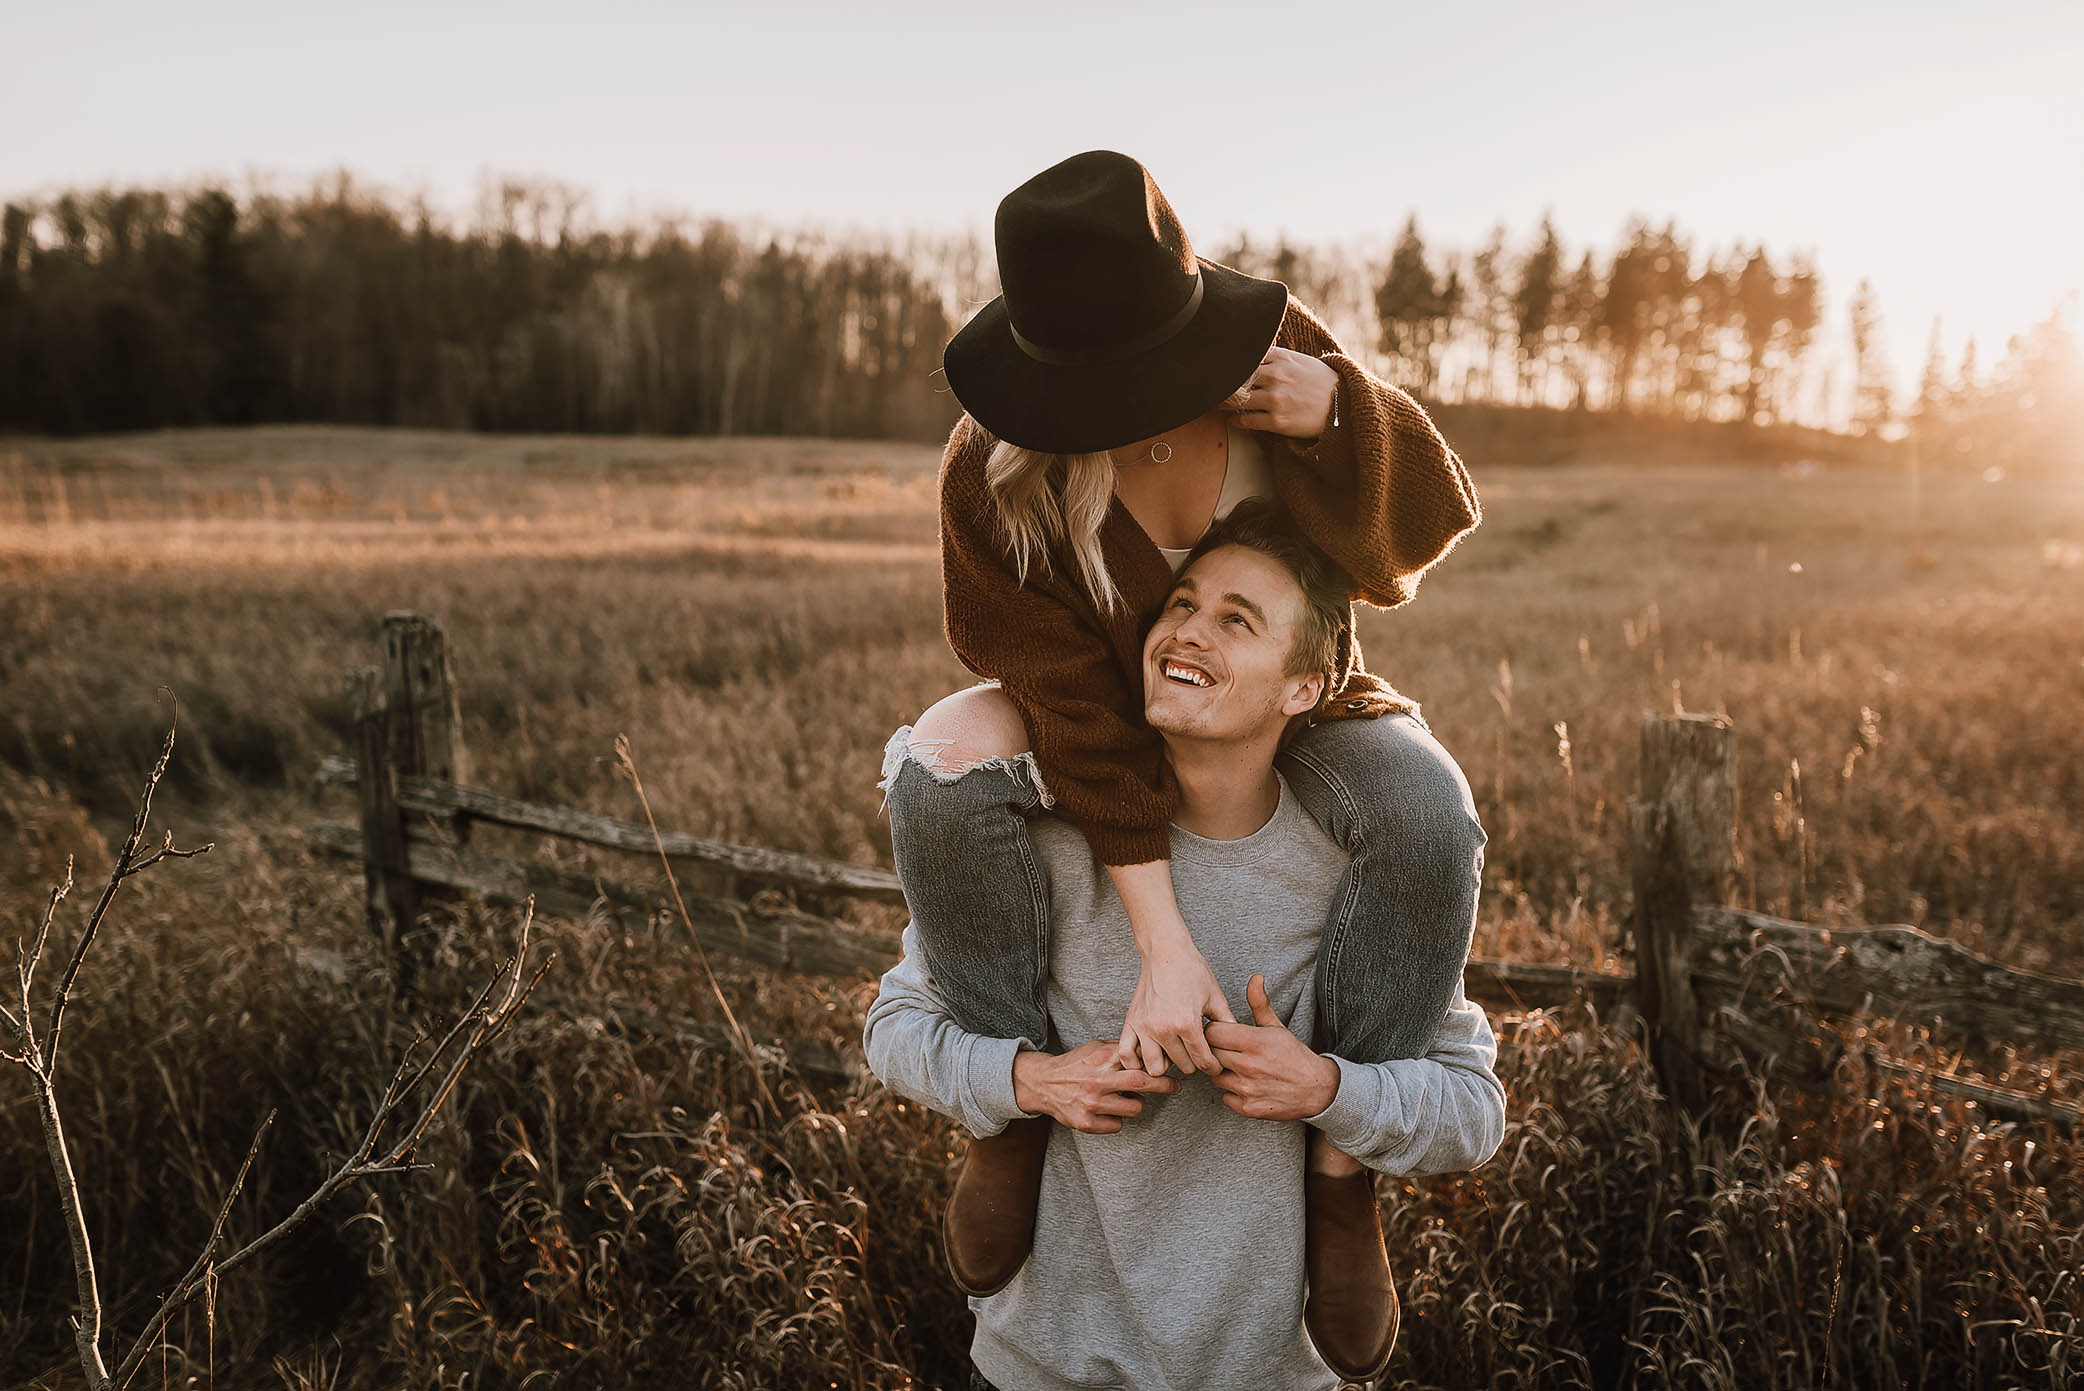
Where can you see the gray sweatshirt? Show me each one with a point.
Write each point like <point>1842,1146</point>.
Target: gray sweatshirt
<point>1169,1256</point>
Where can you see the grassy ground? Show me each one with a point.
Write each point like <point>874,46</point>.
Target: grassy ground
<point>1903,669</point>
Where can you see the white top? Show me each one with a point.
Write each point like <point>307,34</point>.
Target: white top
<point>1247,472</point>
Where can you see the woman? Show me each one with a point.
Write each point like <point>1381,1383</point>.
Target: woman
<point>1120,395</point>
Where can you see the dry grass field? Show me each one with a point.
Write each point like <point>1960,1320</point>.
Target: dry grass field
<point>1905,671</point>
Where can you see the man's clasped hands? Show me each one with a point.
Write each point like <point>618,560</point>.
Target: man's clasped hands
<point>1263,1070</point>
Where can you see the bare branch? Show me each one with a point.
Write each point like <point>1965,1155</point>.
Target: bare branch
<point>200,1271</point>
<point>124,861</point>
<point>86,1326</point>
<point>25,966</point>
<point>494,1022</point>
<point>493,1027</point>
<point>168,851</point>
<point>463,1022</point>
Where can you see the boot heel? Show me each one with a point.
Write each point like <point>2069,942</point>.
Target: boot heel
<point>1351,1311</point>
<point>988,1227</point>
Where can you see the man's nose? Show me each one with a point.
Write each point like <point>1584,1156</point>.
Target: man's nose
<point>1194,631</point>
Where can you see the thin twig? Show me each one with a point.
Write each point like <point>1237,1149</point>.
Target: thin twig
<point>463,1020</point>
<point>493,1026</point>
<point>166,851</point>
<point>744,1044</point>
<point>231,1195</point>
<point>124,868</point>
<point>25,966</point>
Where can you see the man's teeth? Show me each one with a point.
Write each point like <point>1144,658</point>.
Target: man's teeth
<point>1176,672</point>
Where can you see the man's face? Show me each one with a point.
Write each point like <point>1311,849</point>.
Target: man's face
<point>1214,661</point>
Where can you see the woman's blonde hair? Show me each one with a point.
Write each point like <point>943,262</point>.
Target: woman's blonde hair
<point>1046,501</point>
<point>1051,500</point>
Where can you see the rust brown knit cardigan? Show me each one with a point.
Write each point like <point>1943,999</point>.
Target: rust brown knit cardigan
<point>1381,492</point>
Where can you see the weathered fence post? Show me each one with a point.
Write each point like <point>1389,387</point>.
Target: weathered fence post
<point>405,719</point>
<point>392,904</point>
<point>419,688</point>
<point>1682,849</point>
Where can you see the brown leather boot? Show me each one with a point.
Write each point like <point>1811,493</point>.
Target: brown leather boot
<point>1351,1311</point>
<point>989,1226</point>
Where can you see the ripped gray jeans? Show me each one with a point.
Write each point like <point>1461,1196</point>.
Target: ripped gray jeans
<point>1396,933</point>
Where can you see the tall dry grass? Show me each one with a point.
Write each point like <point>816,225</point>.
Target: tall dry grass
<point>621,1207</point>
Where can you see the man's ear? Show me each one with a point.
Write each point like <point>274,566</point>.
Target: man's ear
<point>1304,694</point>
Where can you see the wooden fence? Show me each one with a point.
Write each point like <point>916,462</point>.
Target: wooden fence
<point>1715,981</point>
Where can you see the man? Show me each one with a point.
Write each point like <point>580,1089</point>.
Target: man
<point>1168,1247</point>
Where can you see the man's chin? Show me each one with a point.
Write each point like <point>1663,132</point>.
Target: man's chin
<point>1172,717</point>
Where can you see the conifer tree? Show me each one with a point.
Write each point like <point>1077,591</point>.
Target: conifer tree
<point>1871,409</point>
<point>1534,305</point>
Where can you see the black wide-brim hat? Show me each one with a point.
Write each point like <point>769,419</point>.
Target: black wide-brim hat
<point>1110,329</point>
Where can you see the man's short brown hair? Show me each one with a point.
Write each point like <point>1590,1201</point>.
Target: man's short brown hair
<point>1261,525</point>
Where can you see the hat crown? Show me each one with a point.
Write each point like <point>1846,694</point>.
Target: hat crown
<point>1091,255</point>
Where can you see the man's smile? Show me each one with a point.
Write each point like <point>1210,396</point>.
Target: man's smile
<point>1184,673</point>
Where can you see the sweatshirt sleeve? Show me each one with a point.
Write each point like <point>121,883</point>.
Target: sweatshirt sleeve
<point>919,1052</point>
<point>1380,492</point>
<point>1103,769</point>
<point>1437,1114</point>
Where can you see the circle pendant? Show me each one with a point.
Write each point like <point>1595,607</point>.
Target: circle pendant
<point>1158,458</point>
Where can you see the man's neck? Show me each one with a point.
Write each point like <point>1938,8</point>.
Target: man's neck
<point>1227,790</point>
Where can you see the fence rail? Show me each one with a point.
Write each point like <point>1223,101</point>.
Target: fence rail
<point>417,793</point>
<point>1711,977</point>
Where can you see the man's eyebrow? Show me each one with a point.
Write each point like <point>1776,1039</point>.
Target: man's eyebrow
<point>1248,606</point>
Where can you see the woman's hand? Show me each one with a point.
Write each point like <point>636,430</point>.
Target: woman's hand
<point>1290,394</point>
<point>1083,1088</point>
<point>1174,993</point>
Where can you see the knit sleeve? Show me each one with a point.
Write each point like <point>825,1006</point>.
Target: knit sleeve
<point>1381,492</point>
<point>1102,767</point>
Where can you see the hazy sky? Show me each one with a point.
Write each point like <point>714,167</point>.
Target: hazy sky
<point>1933,148</point>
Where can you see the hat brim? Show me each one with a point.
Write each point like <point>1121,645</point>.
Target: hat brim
<point>1087,408</point>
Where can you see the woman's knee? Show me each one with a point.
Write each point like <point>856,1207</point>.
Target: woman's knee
<point>970,727</point>
<point>1387,779</point>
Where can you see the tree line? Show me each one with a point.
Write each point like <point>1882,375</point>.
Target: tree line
<point>141,308</point>
<point>138,308</point>
<point>1656,327</point>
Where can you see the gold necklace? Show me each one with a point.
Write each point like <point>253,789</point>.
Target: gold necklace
<point>1152,455</point>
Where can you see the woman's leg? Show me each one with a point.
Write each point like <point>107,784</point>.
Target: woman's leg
<point>1397,937</point>
<point>961,785</point>
<point>1395,943</point>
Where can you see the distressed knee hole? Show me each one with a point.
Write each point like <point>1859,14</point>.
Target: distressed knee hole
<point>947,763</point>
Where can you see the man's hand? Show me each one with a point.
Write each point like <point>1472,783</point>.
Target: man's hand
<point>1083,1088</point>
<point>1268,1073</point>
<point>1174,993</point>
<point>1290,394</point>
